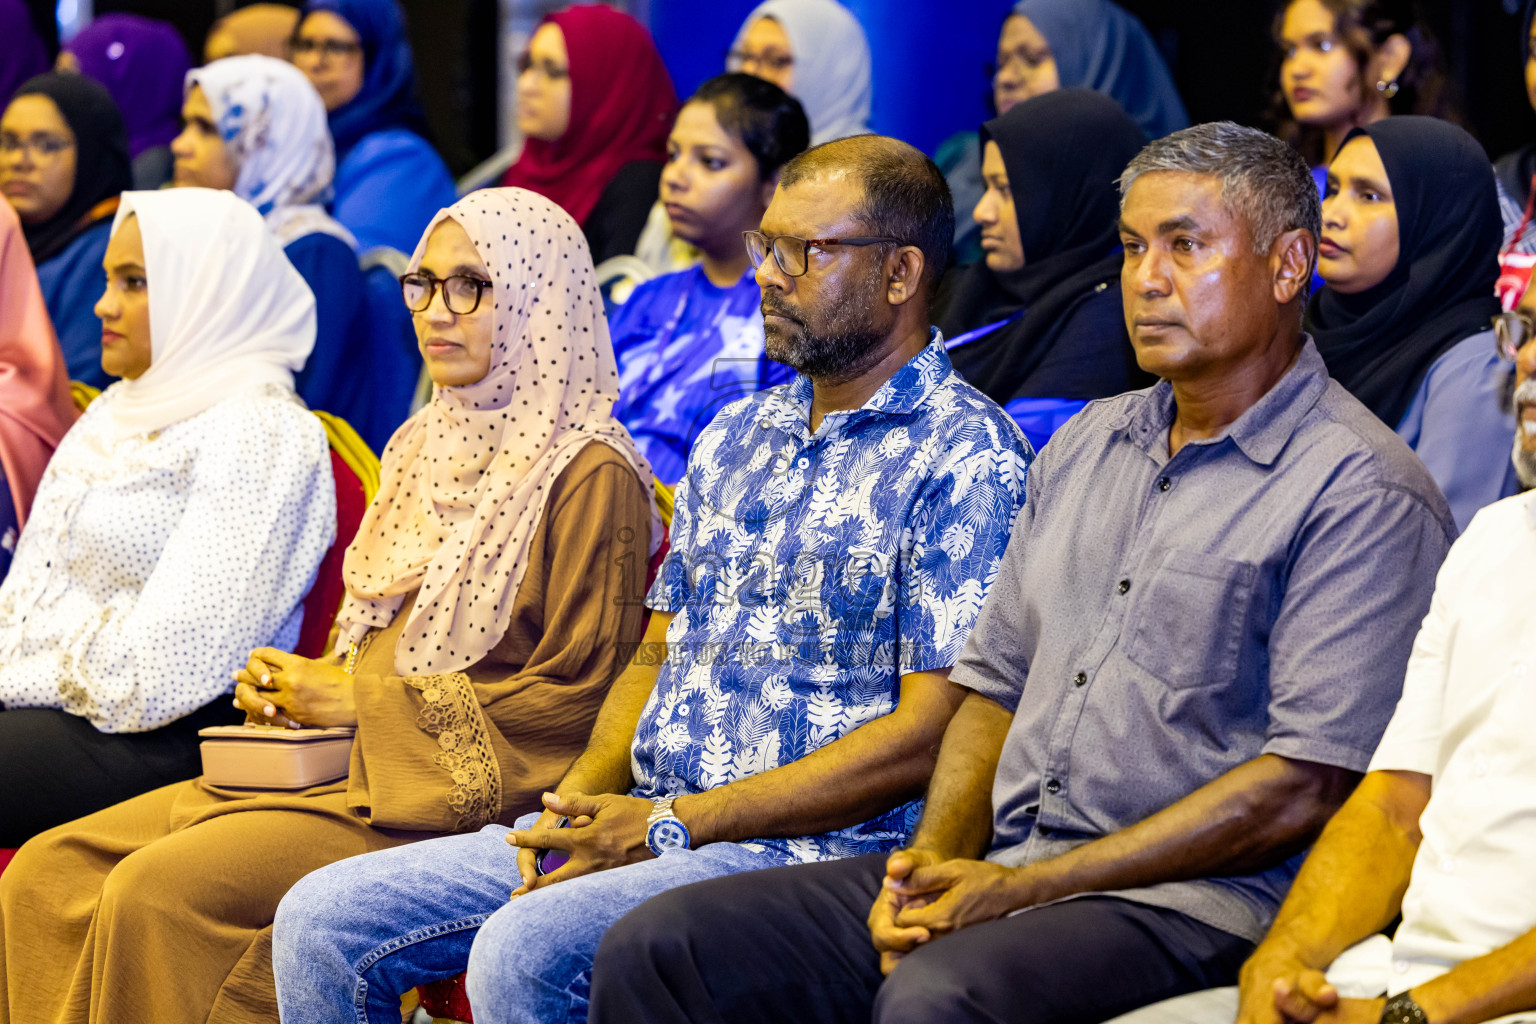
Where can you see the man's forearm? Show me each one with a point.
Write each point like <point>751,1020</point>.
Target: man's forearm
<point>957,816</point>
<point>1490,986</point>
<point>870,770</point>
<point>1352,883</point>
<point>604,767</point>
<point>1252,818</point>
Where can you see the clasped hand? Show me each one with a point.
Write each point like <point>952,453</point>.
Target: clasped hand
<point>606,831</point>
<point>1278,988</point>
<point>278,688</point>
<point>924,896</point>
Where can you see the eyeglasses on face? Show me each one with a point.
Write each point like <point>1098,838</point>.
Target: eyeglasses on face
<point>1511,332</point>
<point>793,254</point>
<point>327,48</point>
<point>549,69</point>
<point>38,144</point>
<point>461,293</point>
<point>739,60</point>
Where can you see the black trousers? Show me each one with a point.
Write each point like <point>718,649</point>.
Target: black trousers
<point>56,767</point>
<point>790,945</point>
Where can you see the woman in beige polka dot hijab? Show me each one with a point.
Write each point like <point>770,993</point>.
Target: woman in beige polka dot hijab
<point>465,479</point>
<point>495,590</point>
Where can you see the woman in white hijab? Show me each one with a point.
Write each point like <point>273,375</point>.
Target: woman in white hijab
<point>179,523</point>
<point>256,126</point>
<point>816,51</point>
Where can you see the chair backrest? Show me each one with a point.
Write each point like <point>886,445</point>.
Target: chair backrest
<point>356,471</point>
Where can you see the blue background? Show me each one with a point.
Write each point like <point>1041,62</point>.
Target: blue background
<point>929,83</point>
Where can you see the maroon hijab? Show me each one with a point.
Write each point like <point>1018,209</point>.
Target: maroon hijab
<point>622,106</point>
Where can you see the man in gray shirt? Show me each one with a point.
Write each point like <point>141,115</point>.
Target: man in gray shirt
<point>1195,640</point>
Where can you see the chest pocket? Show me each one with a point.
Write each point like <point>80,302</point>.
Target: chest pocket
<point>1186,624</point>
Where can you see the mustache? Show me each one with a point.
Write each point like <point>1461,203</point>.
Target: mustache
<point>771,307</point>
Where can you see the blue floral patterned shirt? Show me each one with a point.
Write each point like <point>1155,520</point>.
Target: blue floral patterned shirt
<point>810,571</point>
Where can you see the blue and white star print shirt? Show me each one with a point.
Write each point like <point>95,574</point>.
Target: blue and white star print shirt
<point>810,571</point>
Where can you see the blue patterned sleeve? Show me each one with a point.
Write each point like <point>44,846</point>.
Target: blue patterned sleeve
<point>960,528</point>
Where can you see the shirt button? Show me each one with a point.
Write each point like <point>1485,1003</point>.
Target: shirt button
<point>1053,786</point>
<point>1448,865</point>
<point>1521,669</point>
<point>804,462</point>
<point>1480,767</point>
<point>1124,587</point>
<point>1400,966</point>
<point>1080,679</point>
<point>1164,484</point>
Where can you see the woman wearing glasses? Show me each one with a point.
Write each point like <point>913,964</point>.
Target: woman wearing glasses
<point>1409,254</point>
<point>816,51</point>
<point>1047,45</point>
<point>595,102</point>
<point>63,163</point>
<point>389,180</point>
<point>492,592</point>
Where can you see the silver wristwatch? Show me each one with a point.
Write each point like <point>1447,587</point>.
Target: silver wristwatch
<point>663,830</point>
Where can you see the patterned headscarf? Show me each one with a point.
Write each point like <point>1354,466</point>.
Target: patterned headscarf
<point>465,480</point>
<point>274,128</point>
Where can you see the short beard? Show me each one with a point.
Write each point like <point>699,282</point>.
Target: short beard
<point>1524,459</point>
<point>836,344</point>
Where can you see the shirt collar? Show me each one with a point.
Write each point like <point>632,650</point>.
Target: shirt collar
<point>906,390</point>
<point>1261,432</point>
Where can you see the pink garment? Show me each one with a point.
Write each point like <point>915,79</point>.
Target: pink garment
<point>35,405</point>
<point>465,480</point>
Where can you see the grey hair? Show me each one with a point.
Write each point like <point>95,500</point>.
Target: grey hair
<point>1263,181</point>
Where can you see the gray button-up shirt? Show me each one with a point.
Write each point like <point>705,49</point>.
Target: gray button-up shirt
<point>1159,621</point>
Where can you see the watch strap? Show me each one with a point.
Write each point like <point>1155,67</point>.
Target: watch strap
<point>663,809</point>
<point>1401,1009</point>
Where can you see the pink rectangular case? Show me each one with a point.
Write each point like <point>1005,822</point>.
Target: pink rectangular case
<point>268,757</point>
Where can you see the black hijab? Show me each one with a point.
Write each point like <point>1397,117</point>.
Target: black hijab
<point>1381,342</point>
<point>1064,152</point>
<point>101,157</point>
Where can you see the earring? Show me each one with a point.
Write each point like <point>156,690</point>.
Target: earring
<point>1388,89</point>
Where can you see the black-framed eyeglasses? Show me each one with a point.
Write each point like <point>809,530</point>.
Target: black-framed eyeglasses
<point>737,60</point>
<point>328,48</point>
<point>1511,332</point>
<point>793,254</point>
<point>461,293</point>
<point>549,69</point>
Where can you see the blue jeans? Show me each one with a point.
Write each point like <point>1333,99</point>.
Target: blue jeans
<point>351,937</point>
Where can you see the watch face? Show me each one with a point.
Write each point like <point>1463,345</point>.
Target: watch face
<point>667,834</point>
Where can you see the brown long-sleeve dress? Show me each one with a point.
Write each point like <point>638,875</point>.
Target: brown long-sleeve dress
<point>160,908</point>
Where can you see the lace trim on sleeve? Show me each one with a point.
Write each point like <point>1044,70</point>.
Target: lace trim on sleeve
<point>452,714</point>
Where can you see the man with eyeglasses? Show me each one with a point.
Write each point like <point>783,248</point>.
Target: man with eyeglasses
<point>833,540</point>
<point>1193,644</point>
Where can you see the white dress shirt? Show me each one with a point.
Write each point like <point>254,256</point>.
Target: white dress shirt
<point>152,566</point>
<point>1465,719</point>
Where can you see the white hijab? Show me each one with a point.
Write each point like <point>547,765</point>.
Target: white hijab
<point>227,311</point>
<point>832,63</point>
<point>274,128</point>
